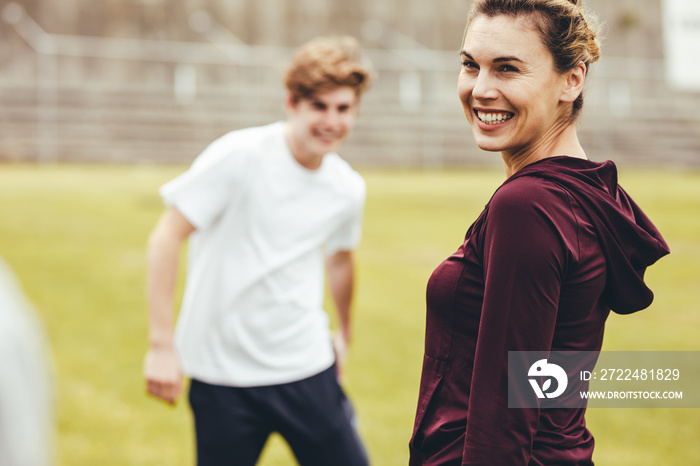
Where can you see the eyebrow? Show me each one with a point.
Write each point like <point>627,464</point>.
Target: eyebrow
<point>495,60</point>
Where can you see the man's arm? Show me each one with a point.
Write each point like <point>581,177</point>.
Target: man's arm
<point>162,365</point>
<point>341,281</point>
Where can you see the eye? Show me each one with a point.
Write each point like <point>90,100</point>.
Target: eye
<point>319,105</point>
<point>508,69</point>
<point>343,108</point>
<point>469,65</point>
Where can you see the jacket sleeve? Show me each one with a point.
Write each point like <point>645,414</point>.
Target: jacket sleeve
<point>525,247</point>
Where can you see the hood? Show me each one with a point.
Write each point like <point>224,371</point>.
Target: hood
<point>629,240</point>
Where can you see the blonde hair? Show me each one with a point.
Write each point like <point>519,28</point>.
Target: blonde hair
<point>569,33</point>
<point>326,63</point>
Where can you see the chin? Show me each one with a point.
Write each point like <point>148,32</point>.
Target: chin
<point>323,149</point>
<point>330,147</point>
<point>488,144</point>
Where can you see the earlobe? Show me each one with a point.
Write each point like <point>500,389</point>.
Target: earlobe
<point>574,83</point>
<point>290,102</point>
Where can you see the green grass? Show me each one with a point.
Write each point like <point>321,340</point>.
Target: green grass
<point>75,236</point>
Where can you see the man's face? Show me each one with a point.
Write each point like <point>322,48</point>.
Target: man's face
<point>319,124</point>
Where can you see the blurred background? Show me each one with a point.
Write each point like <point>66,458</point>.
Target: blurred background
<point>101,102</point>
<point>156,80</point>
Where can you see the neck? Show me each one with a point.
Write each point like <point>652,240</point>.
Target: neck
<point>559,141</point>
<point>303,157</point>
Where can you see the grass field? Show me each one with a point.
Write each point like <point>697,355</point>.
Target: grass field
<point>75,236</point>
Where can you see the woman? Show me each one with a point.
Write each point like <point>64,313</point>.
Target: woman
<point>558,245</point>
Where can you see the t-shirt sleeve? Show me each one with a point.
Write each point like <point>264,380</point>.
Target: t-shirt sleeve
<point>216,178</point>
<point>348,234</point>
<point>525,256</point>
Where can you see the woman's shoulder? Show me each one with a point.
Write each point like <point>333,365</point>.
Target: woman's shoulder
<point>536,210</point>
<point>528,192</point>
<point>530,202</point>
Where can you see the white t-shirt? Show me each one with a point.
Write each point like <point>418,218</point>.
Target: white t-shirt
<point>252,311</point>
<point>26,408</point>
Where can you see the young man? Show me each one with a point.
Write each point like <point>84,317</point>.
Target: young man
<point>262,208</point>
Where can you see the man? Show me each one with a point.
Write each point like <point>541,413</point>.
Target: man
<point>262,207</point>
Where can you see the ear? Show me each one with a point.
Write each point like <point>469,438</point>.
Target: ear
<point>358,103</point>
<point>573,86</point>
<point>290,104</point>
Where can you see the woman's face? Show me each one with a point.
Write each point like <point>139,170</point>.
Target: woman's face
<point>508,86</point>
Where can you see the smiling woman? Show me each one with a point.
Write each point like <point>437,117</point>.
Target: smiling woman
<point>557,247</point>
<point>569,35</point>
<point>513,99</point>
<point>523,69</point>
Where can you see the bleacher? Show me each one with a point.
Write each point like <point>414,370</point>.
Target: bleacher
<point>149,126</point>
<point>106,109</point>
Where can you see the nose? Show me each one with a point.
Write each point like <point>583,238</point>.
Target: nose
<point>484,87</point>
<point>332,117</point>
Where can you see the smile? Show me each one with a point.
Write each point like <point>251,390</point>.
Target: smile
<point>327,136</point>
<point>493,118</point>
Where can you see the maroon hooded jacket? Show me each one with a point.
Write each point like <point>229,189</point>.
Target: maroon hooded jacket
<point>558,245</point>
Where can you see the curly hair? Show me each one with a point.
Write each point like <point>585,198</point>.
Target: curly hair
<point>326,63</point>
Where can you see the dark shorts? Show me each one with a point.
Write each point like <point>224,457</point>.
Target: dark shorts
<point>313,415</point>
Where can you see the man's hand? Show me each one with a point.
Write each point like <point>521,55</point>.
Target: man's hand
<point>163,374</point>
<point>341,279</point>
<point>162,365</point>
<point>340,347</point>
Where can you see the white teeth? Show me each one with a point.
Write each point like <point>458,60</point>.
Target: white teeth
<point>326,135</point>
<point>494,118</point>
